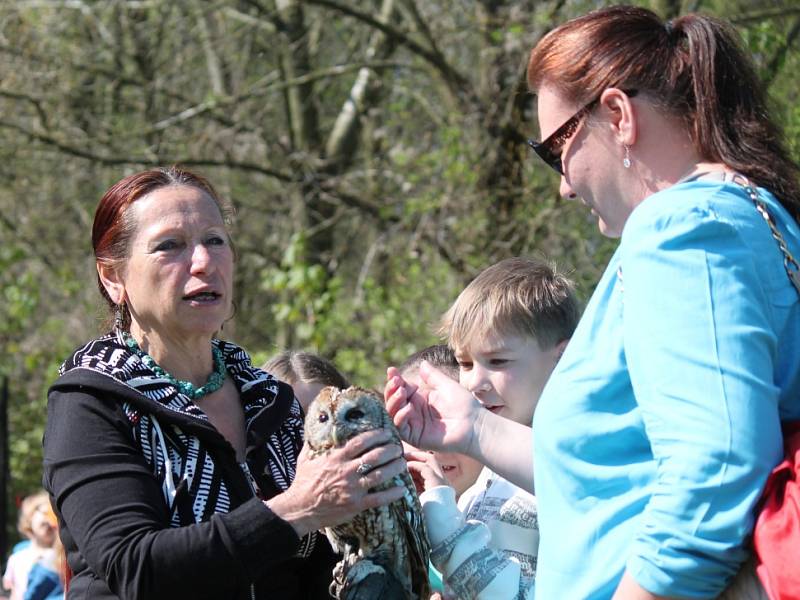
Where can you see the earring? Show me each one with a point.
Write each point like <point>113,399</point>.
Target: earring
<point>626,162</point>
<point>119,317</point>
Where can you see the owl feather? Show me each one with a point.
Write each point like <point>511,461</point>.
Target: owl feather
<point>385,549</point>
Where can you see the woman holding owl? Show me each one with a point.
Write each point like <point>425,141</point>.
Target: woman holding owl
<point>175,466</point>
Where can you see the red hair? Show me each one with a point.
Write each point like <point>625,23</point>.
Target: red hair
<point>693,68</point>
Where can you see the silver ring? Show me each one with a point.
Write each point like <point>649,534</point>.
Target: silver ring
<point>364,468</point>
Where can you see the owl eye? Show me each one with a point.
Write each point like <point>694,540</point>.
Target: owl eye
<point>323,417</point>
<point>354,414</point>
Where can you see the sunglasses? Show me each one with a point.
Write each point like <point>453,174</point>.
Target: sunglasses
<point>550,149</point>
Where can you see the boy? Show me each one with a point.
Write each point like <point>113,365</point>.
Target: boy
<point>508,329</point>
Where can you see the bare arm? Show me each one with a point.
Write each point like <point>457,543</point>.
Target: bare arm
<point>628,589</point>
<point>506,447</point>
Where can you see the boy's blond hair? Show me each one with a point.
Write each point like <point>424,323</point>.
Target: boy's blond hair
<point>516,296</point>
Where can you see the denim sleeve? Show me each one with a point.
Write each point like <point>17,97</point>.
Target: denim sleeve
<point>701,352</point>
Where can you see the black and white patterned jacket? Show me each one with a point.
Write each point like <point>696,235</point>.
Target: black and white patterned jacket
<point>117,431</point>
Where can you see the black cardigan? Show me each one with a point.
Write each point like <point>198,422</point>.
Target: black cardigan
<point>115,524</point>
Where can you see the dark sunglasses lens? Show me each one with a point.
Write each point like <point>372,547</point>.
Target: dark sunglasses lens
<point>550,159</point>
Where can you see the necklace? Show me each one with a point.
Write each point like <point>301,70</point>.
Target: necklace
<point>212,384</point>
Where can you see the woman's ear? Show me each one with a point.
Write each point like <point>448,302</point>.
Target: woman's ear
<point>623,115</point>
<point>560,347</point>
<point>112,282</point>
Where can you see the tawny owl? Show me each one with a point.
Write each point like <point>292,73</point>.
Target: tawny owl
<point>385,549</point>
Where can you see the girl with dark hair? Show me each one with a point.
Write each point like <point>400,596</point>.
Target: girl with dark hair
<point>175,466</point>
<point>656,432</point>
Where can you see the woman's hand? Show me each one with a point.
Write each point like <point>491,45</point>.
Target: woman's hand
<point>329,490</point>
<point>425,470</point>
<point>445,417</point>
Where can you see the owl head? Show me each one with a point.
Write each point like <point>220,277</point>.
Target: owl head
<point>337,415</point>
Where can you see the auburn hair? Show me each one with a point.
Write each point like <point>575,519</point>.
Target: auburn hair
<point>693,67</point>
<point>113,226</point>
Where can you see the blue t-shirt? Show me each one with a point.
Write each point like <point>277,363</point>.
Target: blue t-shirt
<point>659,426</point>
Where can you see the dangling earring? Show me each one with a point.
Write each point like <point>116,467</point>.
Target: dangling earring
<point>626,162</point>
<point>119,318</point>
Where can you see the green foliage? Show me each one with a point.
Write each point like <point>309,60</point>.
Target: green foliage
<point>385,321</point>
<point>305,290</point>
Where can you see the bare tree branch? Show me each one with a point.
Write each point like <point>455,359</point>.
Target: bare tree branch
<point>774,13</point>
<point>36,102</point>
<point>249,19</point>
<point>146,161</point>
<point>341,145</point>
<point>213,63</point>
<point>451,75</point>
<point>777,61</point>
<point>30,248</point>
<point>422,26</point>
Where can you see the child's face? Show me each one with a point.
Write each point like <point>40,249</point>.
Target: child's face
<point>507,373</point>
<point>461,471</point>
<point>42,530</point>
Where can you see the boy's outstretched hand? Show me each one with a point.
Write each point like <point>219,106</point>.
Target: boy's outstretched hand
<point>444,417</point>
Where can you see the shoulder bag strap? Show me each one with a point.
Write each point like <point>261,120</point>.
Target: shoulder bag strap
<point>789,262</point>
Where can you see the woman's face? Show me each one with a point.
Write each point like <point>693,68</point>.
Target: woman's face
<point>177,280</point>
<point>591,160</point>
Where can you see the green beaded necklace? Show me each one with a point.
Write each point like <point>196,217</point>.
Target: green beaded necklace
<point>212,384</point>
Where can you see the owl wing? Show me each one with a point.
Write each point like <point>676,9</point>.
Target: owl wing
<point>340,537</point>
<point>408,513</point>
<point>380,584</point>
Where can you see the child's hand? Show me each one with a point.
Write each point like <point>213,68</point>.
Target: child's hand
<point>425,470</point>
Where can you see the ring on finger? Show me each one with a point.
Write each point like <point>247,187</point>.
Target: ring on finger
<point>364,468</point>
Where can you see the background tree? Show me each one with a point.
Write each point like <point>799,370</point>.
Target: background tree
<point>374,149</point>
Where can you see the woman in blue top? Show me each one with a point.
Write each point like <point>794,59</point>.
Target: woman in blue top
<point>659,426</point>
